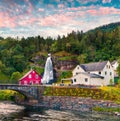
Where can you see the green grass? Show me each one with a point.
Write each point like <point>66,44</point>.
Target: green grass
<point>104,109</point>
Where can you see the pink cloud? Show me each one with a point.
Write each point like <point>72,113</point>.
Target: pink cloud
<point>7,21</point>
<point>106,1</point>
<point>103,11</point>
<point>30,8</point>
<point>41,10</point>
<point>56,20</point>
<point>61,5</point>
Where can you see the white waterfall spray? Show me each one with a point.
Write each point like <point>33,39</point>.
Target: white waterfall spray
<point>48,72</point>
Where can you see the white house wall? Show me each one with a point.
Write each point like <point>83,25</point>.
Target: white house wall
<point>97,82</point>
<point>115,65</point>
<point>77,70</point>
<point>80,79</point>
<point>108,73</point>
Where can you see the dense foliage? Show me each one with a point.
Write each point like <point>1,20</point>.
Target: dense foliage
<point>100,44</point>
<point>11,96</point>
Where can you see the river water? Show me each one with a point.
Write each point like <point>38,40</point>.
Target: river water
<point>41,114</point>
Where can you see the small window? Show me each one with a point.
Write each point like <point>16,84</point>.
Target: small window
<point>110,73</point>
<point>77,67</point>
<point>25,82</point>
<point>37,82</point>
<point>74,80</point>
<point>30,76</point>
<point>86,79</point>
<point>105,73</point>
<point>36,76</point>
<point>99,72</point>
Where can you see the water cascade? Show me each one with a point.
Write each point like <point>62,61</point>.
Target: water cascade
<point>48,72</point>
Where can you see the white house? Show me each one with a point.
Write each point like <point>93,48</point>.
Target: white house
<point>96,74</point>
<point>115,65</point>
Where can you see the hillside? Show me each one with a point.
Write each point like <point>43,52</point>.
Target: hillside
<point>108,27</point>
<point>18,55</point>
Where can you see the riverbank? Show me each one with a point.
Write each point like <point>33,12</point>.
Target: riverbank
<point>7,108</point>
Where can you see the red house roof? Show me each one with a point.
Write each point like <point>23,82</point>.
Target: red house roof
<point>32,77</point>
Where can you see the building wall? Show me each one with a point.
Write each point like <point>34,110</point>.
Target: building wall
<point>31,79</point>
<point>87,80</point>
<point>108,73</point>
<point>115,65</point>
<point>96,81</point>
<point>77,70</point>
<point>81,79</point>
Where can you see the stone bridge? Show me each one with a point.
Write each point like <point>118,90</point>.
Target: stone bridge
<point>30,91</point>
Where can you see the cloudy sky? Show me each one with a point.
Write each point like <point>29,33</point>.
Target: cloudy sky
<point>55,17</point>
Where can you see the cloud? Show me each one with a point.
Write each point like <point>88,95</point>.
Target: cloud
<point>106,1</point>
<point>41,10</point>
<point>103,11</point>
<point>7,21</point>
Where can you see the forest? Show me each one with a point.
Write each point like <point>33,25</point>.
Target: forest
<point>102,43</point>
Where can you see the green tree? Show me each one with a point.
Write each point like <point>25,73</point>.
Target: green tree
<point>15,77</point>
<point>118,68</point>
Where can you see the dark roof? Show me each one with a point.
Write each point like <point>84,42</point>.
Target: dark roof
<point>97,66</point>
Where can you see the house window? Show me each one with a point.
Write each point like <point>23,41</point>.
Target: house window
<point>107,66</point>
<point>30,76</point>
<point>99,72</point>
<point>105,73</point>
<point>37,82</point>
<point>110,73</point>
<point>77,67</point>
<point>74,80</point>
<point>86,79</point>
<point>25,82</point>
<point>30,82</point>
<point>36,76</point>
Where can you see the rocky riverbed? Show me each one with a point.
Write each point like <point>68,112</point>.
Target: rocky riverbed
<point>7,108</point>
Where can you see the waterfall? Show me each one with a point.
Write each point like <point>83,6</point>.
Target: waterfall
<point>48,72</point>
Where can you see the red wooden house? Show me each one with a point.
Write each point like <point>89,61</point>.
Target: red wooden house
<point>30,78</point>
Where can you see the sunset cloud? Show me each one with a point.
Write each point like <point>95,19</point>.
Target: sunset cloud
<point>53,17</point>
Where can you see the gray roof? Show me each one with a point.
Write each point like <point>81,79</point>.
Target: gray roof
<point>94,75</point>
<point>90,75</point>
<point>97,66</point>
<point>113,62</point>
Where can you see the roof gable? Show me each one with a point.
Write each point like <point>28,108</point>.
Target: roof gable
<point>30,72</point>
<point>115,61</point>
<point>97,66</point>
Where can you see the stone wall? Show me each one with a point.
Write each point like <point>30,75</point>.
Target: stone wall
<point>73,103</point>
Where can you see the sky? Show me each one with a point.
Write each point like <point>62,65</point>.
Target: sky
<point>25,18</point>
